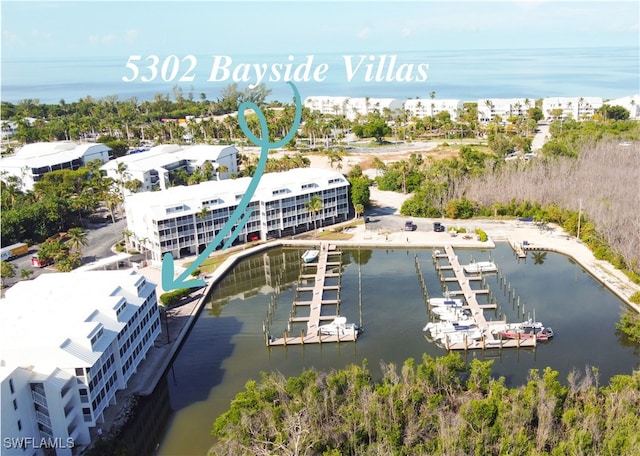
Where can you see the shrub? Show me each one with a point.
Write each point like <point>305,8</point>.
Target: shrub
<point>171,297</point>
<point>630,324</point>
<point>483,236</point>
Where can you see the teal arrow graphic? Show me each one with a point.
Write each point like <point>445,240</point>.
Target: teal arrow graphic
<point>240,215</point>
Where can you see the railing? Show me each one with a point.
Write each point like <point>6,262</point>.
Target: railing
<point>39,398</point>
<point>43,419</point>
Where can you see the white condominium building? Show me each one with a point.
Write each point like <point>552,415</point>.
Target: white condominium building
<point>68,342</point>
<point>489,108</point>
<point>328,105</point>
<point>152,167</point>
<point>422,108</point>
<point>630,103</point>
<point>576,108</point>
<point>32,161</point>
<point>353,107</point>
<point>184,220</point>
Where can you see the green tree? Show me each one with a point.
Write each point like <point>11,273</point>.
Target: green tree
<point>77,239</point>
<point>613,112</point>
<point>359,209</point>
<point>375,127</point>
<point>360,193</point>
<point>26,274</point>
<point>7,270</point>
<point>314,206</point>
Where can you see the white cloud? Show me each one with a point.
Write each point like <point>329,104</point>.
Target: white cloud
<point>131,35</point>
<point>363,33</point>
<point>40,35</point>
<point>128,37</point>
<point>8,37</point>
<point>109,39</point>
<point>406,31</point>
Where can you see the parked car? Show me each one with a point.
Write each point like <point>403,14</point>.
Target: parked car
<point>409,226</point>
<point>438,227</point>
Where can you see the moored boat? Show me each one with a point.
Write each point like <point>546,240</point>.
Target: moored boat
<point>339,327</point>
<point>445,302</point>
<point>310,256</point>
<point>480,266</point>
<point>519,333</point>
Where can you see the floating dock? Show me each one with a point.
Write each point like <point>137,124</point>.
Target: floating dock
<point>518,248</point>
<point>488,339</point>
<point>313,319</point>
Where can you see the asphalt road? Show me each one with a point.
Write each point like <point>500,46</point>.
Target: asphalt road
<point>100,239</point>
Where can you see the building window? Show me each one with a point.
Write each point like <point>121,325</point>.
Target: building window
<point>121,308</point>
<point>11,386</point>
<point>15,405</point>
<point>96,337</point>
<point>19,425</point>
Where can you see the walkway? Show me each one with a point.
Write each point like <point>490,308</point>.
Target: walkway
<point>488,339</point>
<point>315,316</point>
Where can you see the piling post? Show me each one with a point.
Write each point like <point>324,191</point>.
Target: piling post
<point>302,336</point>
<point>284,336</point>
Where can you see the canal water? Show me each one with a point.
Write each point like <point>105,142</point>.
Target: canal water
<point>381,291</point>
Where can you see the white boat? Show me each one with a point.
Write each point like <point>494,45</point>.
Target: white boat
<point>310,256</point>
<point>445,302</point>
<point>451,313</point>
<point>436,328</point>
<point>339,327</point>
<point>459,336</point>
<point>480,266</point>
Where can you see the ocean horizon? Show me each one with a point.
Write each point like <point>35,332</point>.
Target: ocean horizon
<point>607,72</point>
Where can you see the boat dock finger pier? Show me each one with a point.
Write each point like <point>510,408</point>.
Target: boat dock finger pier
<point>488,339</point>
<point>312,280</point>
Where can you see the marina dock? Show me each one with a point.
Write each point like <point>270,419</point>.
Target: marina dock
<point>518,248</point>
<point>488,340</point>
<point>315,317</point>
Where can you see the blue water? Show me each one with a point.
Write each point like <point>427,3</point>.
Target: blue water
<point>469,75</point>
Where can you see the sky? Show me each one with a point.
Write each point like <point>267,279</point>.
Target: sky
<point>66,29</point>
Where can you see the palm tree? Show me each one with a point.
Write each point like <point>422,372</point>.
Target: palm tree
<point>359,208</point>
<point>314,205</point>
<point>8,271</point>
<point>127,236</point>
<point>77,238</point>
<point>26,274</point>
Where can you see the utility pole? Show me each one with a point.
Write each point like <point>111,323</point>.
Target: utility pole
<point>579,216</point>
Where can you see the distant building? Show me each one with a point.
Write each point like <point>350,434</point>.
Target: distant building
<point>328,105</point>
<point>489,108</point>
<point>32,161</point>
<point>352,107</point>
<point>630,103</point>
<point>184,220</point>
<point>422,108</point>
<point>69,342</point>
<point>576,108</point>
<point>152,167</point>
